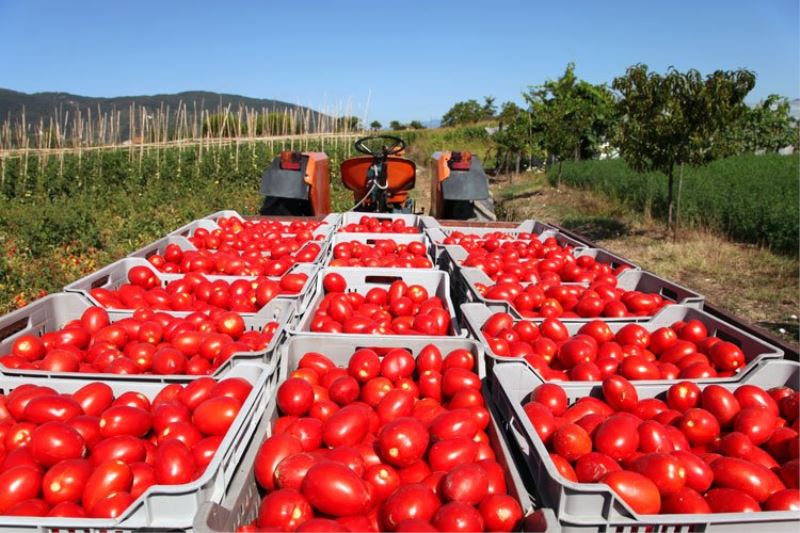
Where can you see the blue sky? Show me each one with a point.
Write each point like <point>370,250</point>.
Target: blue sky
<point>407,59</point>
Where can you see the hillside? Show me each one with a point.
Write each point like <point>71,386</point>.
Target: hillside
<point>47,104</point>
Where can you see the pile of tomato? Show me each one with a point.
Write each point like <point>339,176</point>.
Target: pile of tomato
<point>471,241</point>
<point>236,234</point>
<point>274,262</point>
<point>195,292</point>
<point>367,224</point>
<point>90,455</point>
<point>550,298</point>
<point>537,264</point>
<point>689,451</point>
<point>684,350</point>
<point>401,310</point>
<point>383,253</point>
<point>148,342</point>
<point>386,444</point>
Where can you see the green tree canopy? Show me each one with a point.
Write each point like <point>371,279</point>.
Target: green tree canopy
<point>375,125</point>
<point>677,118</point>
<point>416,125</point>
<point>767,126</point>
<point>468,112</point>
<point>396,125</point>
<point>574,115</point>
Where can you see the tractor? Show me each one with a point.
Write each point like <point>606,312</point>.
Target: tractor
<point>298,183</point>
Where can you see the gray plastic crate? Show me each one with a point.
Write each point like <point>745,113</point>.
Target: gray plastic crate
<point>158,247</point>
<point>241,503</point>
<point>463,278</point>
<point>162,507</point>
<point>53,311</point>
<point>629,280</point>
<point>372,238</point>
<point>114,275</point>
<point>541,230</point>
<point>321,233</point>
<point>756,351</point>
<point>594,506</point>
<point>353,217</point>
<point>362,280</point>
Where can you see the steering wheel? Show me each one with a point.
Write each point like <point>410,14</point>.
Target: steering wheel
<point>397,145</point>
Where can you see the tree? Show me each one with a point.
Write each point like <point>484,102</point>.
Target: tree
<point>397,125</point>
<point>767,126</point>
<point>348,124</point>
<point>375,125</point>
<point>489,108</point>
<point>467,112</point>
<point>508,113</point>
<point>575,116</point>
<point>416,125</point>
<point>676,119</point>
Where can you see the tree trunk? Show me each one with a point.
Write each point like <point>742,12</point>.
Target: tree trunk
<point>669,198</point>
<point>558,176</point>
<point>678,205</point>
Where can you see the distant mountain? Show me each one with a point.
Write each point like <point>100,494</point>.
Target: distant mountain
<point>46,105</point>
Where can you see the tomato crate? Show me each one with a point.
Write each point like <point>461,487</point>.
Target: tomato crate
<point>321,232</point>
<point>584,507</point>
<point>541,230</point>
<point>115,275</point>
<point>756,351</point>
<point>53,311</point>
<point>419,222</point>
<point>372,238</point>
<point>361,280</point>
<point>161,507</point>
<point>242,500</point>
<point>628,280</point>
<point>158,247</point>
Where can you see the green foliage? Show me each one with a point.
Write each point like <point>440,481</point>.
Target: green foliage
<point>62,217</point>
<point>678,118</point>
<point>462,113</point>
<point>489,109</point>
<point>375,125</point>
<point>416,125</point>
<point>574,116</point>
<point>748,198</point>
<point>768,126</point>
<point>396,125</point>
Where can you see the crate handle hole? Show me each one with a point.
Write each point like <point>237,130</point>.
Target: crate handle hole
<point>382,280</point>
<point>10,329</point>
<point>99,282</point>
<point>669,293</point>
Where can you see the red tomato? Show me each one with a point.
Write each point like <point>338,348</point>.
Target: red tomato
<point>552,396</point>
<point>403,441</point>
<point>500,512</point>
<point>333,282</point>
<point>18,484</point>
<point>174,463</point>
<point>124,420</point>
<point>617,437</point>
<point>272,451</point>
<point>571,442</point>
<point>285,509</point>
<point>409,502</point>
<point>53,442</point>
<point>457,516</point>
<point>685,501</point>
<point>107,478</point>
<point>663,469</point>
<point>215,415</point>
<point>640,493</point>
<point>335,490</point>
<point>65,481</point>
<point>111,505</point>
<point>783,500</point>
<point>683,396</point>
<point>466,483</point>
<point>725,500</point>
<point>755,480</point>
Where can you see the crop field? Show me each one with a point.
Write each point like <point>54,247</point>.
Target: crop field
<point>66,213</point>
<point>748,198</point>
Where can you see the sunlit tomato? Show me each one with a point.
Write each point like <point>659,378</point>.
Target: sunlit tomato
<point>272,451</point>
<point>467,483</point>
<point>685,501</point>
<point>727,500</point>
<point>65,481</point>
<point>552,396</point>
<point>591,467</point>
<point>107,478</point>
<point>640,493</point>
<point>409,502</point>
<point>403,441</point>
<point>53,442</point>
<point>215,415</point>
<point>683,396</point>
<point>571,442</point>
<point>617,437</point>
<point>285,509</point>
<point>335,489</point>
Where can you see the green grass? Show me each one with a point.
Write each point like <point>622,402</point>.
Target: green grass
<point>748,198</point>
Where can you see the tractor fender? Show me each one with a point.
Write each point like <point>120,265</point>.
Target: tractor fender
<point>472,184</point>
<point>279,183</point>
